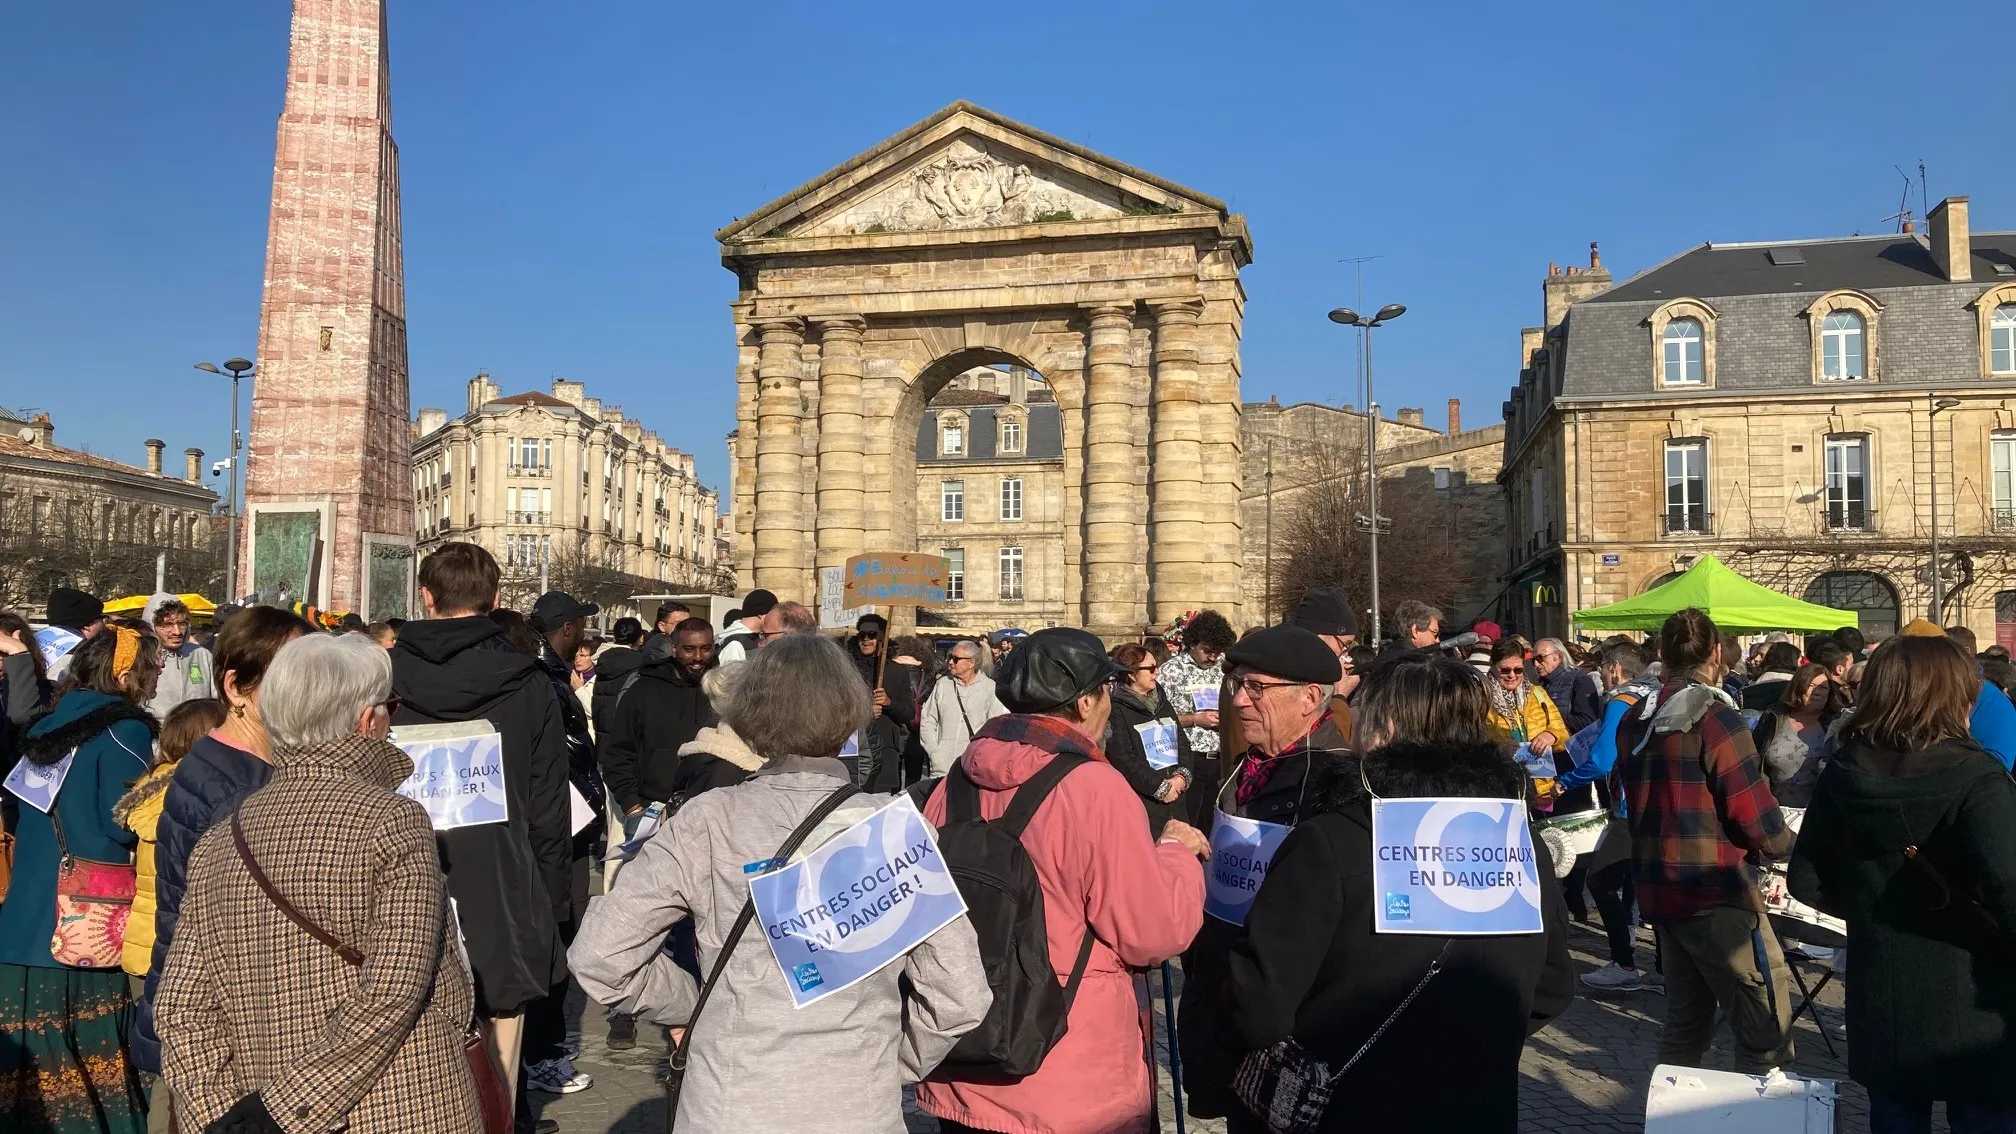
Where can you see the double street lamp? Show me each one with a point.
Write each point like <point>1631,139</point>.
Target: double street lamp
<point>1365,323</point>
<point>1932,465</point>
<point>239,368</point>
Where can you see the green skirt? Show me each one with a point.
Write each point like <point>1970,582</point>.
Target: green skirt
<point>63,1065</point>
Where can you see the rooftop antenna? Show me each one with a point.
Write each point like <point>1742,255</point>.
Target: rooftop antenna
<point>1924,202</point>
<point>1903,214</point>
<point>1358,262</point>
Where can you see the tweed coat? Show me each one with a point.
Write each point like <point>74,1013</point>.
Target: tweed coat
<point>250,1002</point>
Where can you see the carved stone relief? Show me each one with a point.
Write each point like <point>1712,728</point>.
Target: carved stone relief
<point>965,186</point>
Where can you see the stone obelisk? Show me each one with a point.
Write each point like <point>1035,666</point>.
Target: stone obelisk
<point>329,435</point>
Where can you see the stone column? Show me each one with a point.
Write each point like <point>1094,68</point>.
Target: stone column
<point>843,519</point>
<point>779,474</point>
<point>1177,565</point>
<point>1113,538</point>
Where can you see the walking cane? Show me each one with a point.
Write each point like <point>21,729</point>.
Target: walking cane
<point>1175,1057</point>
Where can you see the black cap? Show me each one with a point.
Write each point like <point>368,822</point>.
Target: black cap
<point>1324,610</point>
<point>1288,652</point>
<point>1053,667</point>
<point>627,630</point>
<point>556,609</point>
<point>74,609</point>
<point>759,603</point>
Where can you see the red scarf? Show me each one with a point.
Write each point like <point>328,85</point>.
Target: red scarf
<point>1257,768</point>
<point>1051,734</point>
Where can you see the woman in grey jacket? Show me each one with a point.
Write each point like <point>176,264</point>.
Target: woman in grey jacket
<point>796,702</point>
<point>960,703</point>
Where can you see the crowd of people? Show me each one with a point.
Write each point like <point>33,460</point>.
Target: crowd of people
<point>230,907</point>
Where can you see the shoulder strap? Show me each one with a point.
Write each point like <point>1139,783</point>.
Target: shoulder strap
<point>961,702</point>
<point>1434,967</point>
<point>962,796</point>
<point>1035,790</point>
<point>798,836</point>
<point>349,955</point>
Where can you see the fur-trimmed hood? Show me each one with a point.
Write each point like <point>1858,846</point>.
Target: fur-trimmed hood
<point>81,715</point>
<point>720,742</point>
<point>145,790</point>
<point>1403,770</point>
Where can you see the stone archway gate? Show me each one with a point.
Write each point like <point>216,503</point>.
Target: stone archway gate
<point>970,236</point>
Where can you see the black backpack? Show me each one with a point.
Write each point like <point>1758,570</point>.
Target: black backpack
<point>1004,901</point>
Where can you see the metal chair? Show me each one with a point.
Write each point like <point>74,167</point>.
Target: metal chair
<point>1792,929</point>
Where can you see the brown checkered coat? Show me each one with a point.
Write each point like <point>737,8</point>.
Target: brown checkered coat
<point>250,1002</point>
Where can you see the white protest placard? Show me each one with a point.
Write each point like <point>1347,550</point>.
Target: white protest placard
<point>1241,852</point>
<point>1453,867</point>
<point>865,898</point>
<point>834,614</point>
<point>37,784</point>
<point>1158,742</point>
<point>458,772</point>
<point>1204,699</point>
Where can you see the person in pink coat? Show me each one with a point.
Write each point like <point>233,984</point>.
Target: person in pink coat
<point>1142,899</point>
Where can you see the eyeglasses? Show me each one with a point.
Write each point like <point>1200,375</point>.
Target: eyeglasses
<point>1254,687</point>
<point>1512,672</point>
<point>391,705</point>
<point>1149,668</point>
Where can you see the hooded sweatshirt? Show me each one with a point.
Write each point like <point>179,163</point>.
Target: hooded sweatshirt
<point>509,880</point>
<point>186,671</point>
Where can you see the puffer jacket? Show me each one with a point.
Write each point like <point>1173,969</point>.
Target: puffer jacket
<point>1140,899</point>
<point>751,1050</point>
<point>1536,715</point>
<point>208,785</point>
<point>140,813</point>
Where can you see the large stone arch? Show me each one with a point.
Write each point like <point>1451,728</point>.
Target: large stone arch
<point>970,239</point>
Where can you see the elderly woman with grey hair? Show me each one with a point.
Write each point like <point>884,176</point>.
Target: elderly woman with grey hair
<point>755,1062</point>
<point>960,703</point>
<point>314,980</point>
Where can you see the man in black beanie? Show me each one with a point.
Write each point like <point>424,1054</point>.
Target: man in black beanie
<point>1282,679</point>
<point>74,617</point>
<point>1326,613</point>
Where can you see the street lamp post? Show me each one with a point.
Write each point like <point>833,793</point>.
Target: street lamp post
<point>239,369</point>
<point>1350,318</point>
<point>1932,467</point>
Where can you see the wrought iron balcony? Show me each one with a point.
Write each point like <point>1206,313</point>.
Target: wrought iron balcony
<point>1688,521</point>
<point>1847,518</point>
<point>2002,521</point>
<point>530,470</point>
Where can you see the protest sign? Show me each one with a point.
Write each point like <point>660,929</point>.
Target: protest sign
<point>834,613</point>
<point>895,579</point>
<point>862,900</point>
<point>1158,742</point>
<point>37,784</point>
<point>1204,699</point>
<point>1453,867</point>
<point>458,772</point>
<point>1241,852</point>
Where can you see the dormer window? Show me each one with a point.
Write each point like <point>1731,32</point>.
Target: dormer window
<point>1011,431</point>
<point>1683,345</point>
<point>952,435</point>
<point>1841,353</point>
<point>1682,349</point>
<point>1846,337</point>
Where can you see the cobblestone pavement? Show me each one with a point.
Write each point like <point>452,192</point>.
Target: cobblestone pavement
<point>1586,1072</point>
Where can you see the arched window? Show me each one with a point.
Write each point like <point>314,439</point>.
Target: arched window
<point>2002,340</point>
<point>1841,353</point>
<point>1866,593</point>
<point>1682,353</point>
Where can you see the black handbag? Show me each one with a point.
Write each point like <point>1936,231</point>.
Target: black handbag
<point>676,1066</point>
<point>1288,1089</point>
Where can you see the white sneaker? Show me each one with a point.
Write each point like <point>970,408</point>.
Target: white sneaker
<point>1613,977</point>
<point>556,1081</point>
<point>1653,982</point>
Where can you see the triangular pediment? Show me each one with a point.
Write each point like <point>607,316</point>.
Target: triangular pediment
<point>967,168</point>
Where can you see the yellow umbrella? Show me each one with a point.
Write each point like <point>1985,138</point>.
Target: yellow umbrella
<point>134,604</point>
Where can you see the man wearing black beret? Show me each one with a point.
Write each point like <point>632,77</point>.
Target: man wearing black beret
<point>1282,679</point>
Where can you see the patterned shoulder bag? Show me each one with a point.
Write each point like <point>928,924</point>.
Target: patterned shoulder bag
<point>93,901</point>
<point>1289,1089</point>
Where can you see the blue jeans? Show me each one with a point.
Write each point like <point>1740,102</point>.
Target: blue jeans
<point>1890,1114</point>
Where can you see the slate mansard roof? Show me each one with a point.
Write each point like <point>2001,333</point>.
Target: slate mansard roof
<point>1864,263</point>
<point>1043,440</point>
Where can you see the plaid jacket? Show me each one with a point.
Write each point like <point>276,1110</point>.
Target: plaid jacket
<point>1701,809</point>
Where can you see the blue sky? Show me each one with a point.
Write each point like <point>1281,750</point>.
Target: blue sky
<point>566,164</point>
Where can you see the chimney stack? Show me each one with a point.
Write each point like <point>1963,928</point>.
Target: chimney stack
<point>192,468</point>
<point>1455,416</point>
<point>482,391</point>
<point>1952,245</point>
<point>42,432</point>
<point>1563,288</point>
<point>1410,415</point>
<point>154,449</point>
<point>431,420</point>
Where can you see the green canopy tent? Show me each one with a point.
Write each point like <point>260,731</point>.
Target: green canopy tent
<point>1737,605</point>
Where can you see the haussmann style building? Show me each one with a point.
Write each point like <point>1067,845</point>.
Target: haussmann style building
<point>1794,408</point>
<point>561,481</point>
